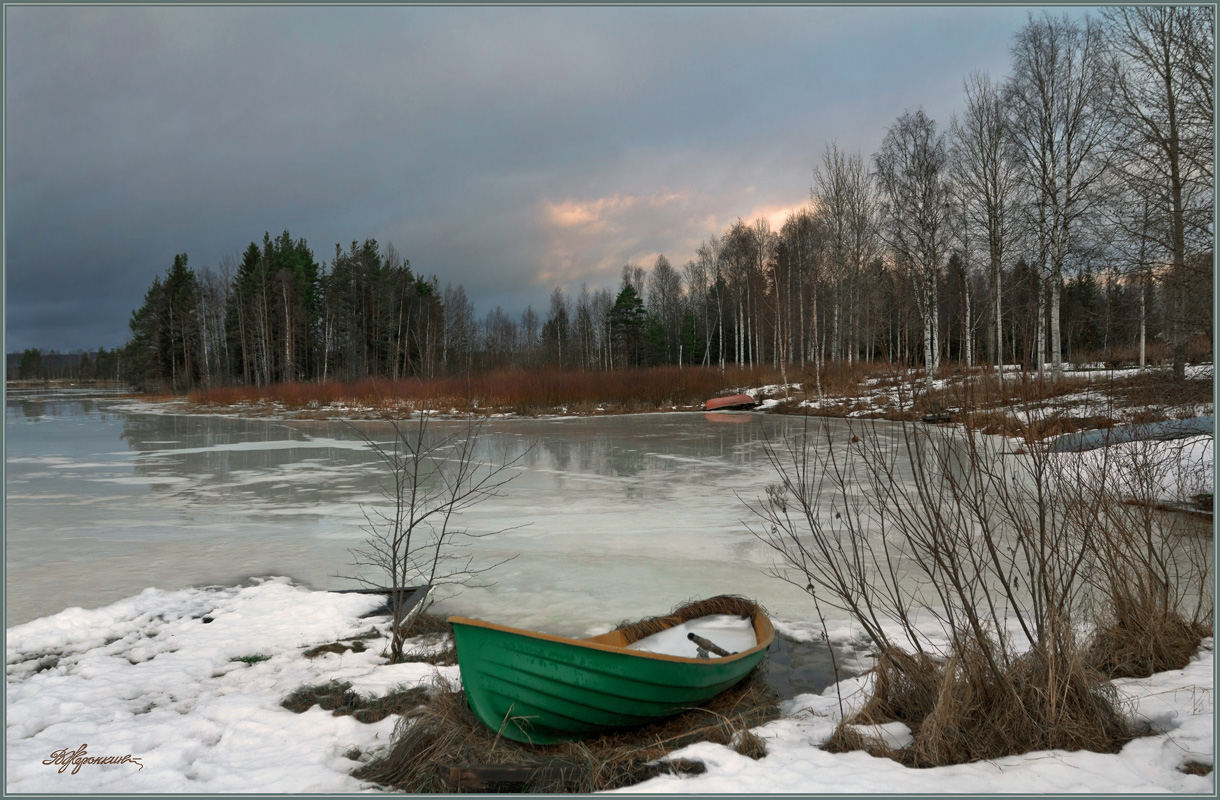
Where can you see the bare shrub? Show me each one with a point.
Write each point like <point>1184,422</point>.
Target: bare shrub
<point>915,530</point>
<point>1153,570</point>
<point>1142,637</point>
<point>433,477</point>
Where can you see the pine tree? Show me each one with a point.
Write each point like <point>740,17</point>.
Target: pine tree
<point>32,366</point>
<point>143,354</point>
<point>181,361</point>
<point>627,327</point>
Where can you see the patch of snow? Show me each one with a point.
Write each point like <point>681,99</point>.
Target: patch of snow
<point>895,735</point>
<point>730,632</point>
<point>1166,472</point>
<point>147,677</point>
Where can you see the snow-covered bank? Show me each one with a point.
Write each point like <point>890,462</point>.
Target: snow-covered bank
<point>149,677</point>
<point>1088,395</point>
<point>1173,472</point>
<point>1178,705</point>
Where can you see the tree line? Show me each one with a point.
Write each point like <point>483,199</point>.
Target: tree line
<point>33,364</point>
<point>1065,211</point>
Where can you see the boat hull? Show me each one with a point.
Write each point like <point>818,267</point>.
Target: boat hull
<point>540,689</point>
<point>728,403</point>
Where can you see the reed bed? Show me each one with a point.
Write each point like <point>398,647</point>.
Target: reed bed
<point>518,391</point>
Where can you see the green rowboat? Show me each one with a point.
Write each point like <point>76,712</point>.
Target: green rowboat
<point>539,689</point>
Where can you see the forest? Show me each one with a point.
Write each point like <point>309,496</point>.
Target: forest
<point>1063,214</point>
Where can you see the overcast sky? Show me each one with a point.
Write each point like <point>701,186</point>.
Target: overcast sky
<point>507,149</point>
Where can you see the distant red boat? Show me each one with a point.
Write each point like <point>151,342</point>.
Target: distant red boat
<point>732,402</point>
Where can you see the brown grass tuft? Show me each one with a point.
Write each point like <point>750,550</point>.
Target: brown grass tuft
<point>1039,707</point>
<point>958,712</point>
<point>905,688</point>
<point>846,739</point>
<point>1144,637</point>
<point>1196,768</point>
<point>335,647</point>
<point>339,699</point>
<point>425,624</point>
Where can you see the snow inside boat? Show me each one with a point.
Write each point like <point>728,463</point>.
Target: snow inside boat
<point>539,689</point>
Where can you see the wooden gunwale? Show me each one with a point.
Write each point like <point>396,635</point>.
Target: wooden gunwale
<point>614,642</point>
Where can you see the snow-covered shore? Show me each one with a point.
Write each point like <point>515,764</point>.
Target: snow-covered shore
<point>149,677</point>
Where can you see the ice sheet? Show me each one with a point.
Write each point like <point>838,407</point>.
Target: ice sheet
<point>610,518</point>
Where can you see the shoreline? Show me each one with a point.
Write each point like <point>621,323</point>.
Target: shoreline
<point>1082,398</point>
<point>177,669</point>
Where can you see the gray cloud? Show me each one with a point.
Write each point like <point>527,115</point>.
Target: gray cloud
<point>462,135</point>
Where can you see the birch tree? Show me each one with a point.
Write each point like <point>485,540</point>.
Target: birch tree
<point>913,173</point>
<point>1058,125</point>
<point>1160,73</point>
<point>985,175</point>
<point>665,301</point>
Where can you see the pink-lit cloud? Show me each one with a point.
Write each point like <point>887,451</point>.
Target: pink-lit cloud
<point>589,240</point>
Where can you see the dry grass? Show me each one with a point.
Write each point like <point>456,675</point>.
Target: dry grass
<point>1061,706</point>
<point>1158,605</point>
<point>425,624</point>
<point>433,630</point>
<point>340,700</point>
<point>1142,640</point>
<point>973,396</point>
<point>335,647</point>
<point>905,688</point>
<point>845,380</point>
<point>958,713</point>
<point>444,733</point>
<point>1154,573</point>
<point>1198,348</point>
<point>1157,388</point>
<point>355,644</point>
<point>519,391</point>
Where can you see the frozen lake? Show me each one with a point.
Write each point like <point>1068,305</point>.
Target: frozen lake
<point>623,516</point>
